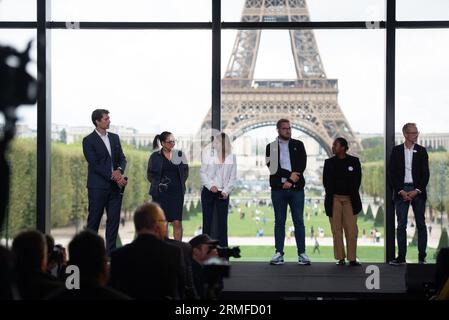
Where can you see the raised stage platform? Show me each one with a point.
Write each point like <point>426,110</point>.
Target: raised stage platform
<point>259,280</point>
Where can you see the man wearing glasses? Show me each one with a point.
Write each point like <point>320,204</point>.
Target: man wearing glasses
<point>286,159</point>
<point>409,175</point>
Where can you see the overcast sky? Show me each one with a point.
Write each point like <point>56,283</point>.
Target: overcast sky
<point>156,80</point>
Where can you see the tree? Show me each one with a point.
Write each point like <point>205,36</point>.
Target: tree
<point>373,179</point>
<point>369,213</point>
<point>78,170</point>
<point>361,213</point>
<point>185,213</point>
<point>22,197</point>
<point>380,216</point>
<point>438,193</point>
<point>414,241</point>
<point>444,240</point>
<point>63,136</point>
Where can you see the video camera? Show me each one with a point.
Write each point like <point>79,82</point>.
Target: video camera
<point>227,252</point>
<point>217,268</point>
<point>17,86</point>
<point>57,255</point>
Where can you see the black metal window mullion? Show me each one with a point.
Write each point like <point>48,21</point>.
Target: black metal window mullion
<point>390,71</point>
<point>216,65</point>
<point>43,199</point>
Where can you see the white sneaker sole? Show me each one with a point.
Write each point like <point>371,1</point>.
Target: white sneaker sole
<point>304,263</point>
<point>276,263</point>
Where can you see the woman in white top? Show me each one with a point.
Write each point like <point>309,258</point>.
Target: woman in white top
<point>218,175</point>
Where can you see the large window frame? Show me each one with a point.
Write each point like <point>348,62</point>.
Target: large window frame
<point>43,29</point>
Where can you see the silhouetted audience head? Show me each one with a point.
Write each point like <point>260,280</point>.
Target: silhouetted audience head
<point>30,252</point>
<point>50,244</point>
<point>56,258</point>
<point>203,248</point>
<point>442,268</point>
<point>149,218</point>
<point>87,252</point>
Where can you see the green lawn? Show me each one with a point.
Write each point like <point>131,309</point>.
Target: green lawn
<point>365,254</point>
<point>248,226</point>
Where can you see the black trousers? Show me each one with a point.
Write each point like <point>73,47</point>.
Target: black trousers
<point>209,201</point>
<point>99,200</point>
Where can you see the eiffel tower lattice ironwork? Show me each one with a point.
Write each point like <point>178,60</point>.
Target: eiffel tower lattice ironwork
<point>310,101</point>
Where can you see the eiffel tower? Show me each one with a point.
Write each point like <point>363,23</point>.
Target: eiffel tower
<point>309,102</point>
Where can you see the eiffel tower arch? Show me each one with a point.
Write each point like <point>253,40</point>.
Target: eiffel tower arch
<point>310,101</point>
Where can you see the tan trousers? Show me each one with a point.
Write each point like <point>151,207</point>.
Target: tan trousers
<point>344,219</point>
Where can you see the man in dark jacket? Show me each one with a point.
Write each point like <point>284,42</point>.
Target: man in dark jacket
<point>87,252</point>
<point>30,253</point>
<point>147,268</point>
<point>105,180</point>
<point>186,283</point>
<point>409,175</point>
<point>286,158</point>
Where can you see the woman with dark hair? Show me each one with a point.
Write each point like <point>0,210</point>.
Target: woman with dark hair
<point>218,175</point>
<point>342,176</point>
<point>167,173</point>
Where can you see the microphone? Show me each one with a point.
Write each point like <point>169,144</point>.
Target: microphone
<point>122,189</point>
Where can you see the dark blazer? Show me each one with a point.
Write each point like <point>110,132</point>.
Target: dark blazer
<point>99,161</point>
<point>354,182</point>
<point>298,159</point>
<point>186,285</point>
<point>147,268</point>
<point>420,169</point>
<point>199,279</point>
<point>37,285</point>
<point>154,170</point>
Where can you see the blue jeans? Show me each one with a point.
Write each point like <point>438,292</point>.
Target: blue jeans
<point>210,201</point>
<point>419,207</point>
<point>295,199</point>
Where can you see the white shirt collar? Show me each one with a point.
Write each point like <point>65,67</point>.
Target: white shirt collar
<point>283,141</point>
<point>412,148</point>
<point>101,135</point>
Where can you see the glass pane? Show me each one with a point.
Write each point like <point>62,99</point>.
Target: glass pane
<point>338,85</point>
<point>318,10</point>
<point>132,10</point>
<point>147,86</point>
<point>422,73</point>
<point>22,151</point>
<point>419,10</point>
<point>18,10</point>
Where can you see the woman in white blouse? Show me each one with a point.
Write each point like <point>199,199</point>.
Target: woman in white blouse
<point>218,176</point>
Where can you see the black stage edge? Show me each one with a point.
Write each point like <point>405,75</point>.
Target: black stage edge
<point>259,280</point>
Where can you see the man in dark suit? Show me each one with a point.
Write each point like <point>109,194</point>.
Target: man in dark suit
<point>87,252</point>
<point>409,175</point>
<point>148,268</point>
<point>29,250</point>
<point>186,283</point>
<point>105,180</point>
<point>286,158</point>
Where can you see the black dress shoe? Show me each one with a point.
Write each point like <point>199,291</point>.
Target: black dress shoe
<point>354,264</point>
<point>397,262</point>
<point>341,262</point>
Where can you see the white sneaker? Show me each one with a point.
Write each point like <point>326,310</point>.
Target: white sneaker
<point>303,259</point>
<point>277,259</point>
